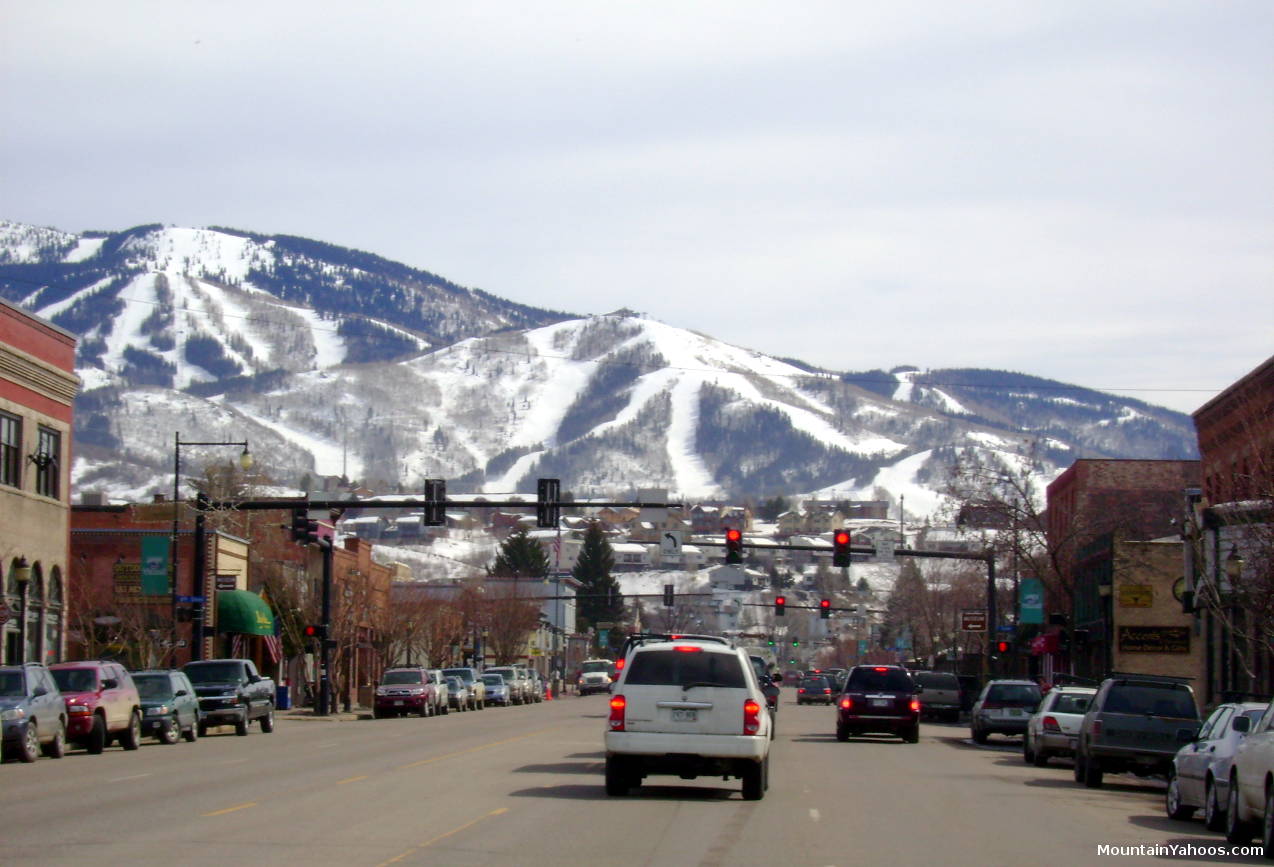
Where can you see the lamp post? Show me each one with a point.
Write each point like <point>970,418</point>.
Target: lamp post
<point>22,574</point>
<point>245,461</point>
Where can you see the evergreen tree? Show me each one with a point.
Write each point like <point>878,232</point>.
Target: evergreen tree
<point>520,556</point>
<point>600,601</point>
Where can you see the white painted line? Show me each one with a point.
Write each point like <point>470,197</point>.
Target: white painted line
<point>814,814</point>
<point>123,779</point>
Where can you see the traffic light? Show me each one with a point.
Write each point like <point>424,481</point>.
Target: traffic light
<point>840,548</point>
<point>1002,647</point>
<point>796,642</point>
<point>670,595</point>
<point>304,529</point>
<point>314,631</point>
<point>825,608</point>
<point>547,493</point>
<point>733,546</point>
<point>770,642</point>
<point>435,502</point>
<point>779,603</point>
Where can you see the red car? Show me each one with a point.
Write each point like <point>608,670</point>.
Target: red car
<point>878,698</point>
<point>101,704</point>
<point>404,690</point>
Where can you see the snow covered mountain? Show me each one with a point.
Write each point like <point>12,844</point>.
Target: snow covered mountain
<point>335,362</point>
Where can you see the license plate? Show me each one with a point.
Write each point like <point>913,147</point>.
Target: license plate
<point>398,702</point>
<point>683,714</point>
<point>881,702</point>
<point>1014,712</point>
<point>1071,742</point>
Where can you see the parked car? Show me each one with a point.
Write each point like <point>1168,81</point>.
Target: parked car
<point>1200,776</point>
<point>939,694</point>
<point>402,691</point>
<point>1004,707</point>
<point>457,693</point>
<point>970,689</point>
<point>442,701</point>
<point>32,712</point>
<point>688,708</point>
<point>1053,730</point>
<point>519,687</point>
<point>499,691</point>
<point>1134,723</point>
<point>102,704</point>
<point>170,708</point>
<point>1249,805</point>
<point>878,698</point>
<point>232,692</point>
<point>814,690</point>
<point>594,676</point>
<point>473,685</point>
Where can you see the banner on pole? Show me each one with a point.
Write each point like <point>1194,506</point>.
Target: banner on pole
<point>155,566</point>
<point>1031,601</point>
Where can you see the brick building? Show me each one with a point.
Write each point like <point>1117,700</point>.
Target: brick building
<point>37,388</point>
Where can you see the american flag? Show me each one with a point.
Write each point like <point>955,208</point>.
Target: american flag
<point>236,646</point>
<point>274,644</point>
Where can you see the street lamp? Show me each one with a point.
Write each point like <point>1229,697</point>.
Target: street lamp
<point>245,461</point>
<point>22,575</point>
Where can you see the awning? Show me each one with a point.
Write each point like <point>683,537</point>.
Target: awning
<point>243,611</point>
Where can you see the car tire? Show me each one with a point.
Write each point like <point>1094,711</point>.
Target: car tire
<point>131,737</point>
<point>1093,773</point>
<point>754,780</point>
<point>29,747</point>
<point>267,721</point>
<point>1267,825</point>
<point>1079,767</point>
<point>241,725</point>
<point>1172,800</point>
<point>1040,758</point>
<point>842,733</point>
<point>191,734</point>
<point>911,734</point>
<point>1237,831</point>
<point>171,733</point>
<point>1028,755</point>
<point>95,743</point>
<point>1213,813</point>
<point>617,777</point>
<point>979,736</point>
<point>56,748</point>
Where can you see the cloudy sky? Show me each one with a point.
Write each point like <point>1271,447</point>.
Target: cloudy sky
<point>1079,190</point>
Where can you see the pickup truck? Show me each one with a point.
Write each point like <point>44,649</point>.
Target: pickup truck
<point>232,692</point>
<point>1136,723</point>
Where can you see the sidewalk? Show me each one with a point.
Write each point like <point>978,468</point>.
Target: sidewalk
<point>307,713</point>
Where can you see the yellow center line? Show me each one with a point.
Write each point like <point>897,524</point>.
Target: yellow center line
<point>231,809</point>
<point>473,749</point>
<point>433,840</point>
<point>351,780</point>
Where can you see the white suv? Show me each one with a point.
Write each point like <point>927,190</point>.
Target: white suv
<point>688,708</point>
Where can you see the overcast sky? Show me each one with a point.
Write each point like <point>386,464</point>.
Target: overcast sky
<point>1078,190</point>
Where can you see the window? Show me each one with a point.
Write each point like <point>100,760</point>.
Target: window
<point>670,667</point>
<point>48,463</point>
<point>868,679</point>
<point>10,450</point>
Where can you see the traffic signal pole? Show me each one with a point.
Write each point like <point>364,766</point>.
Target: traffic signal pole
<point>325,651</point>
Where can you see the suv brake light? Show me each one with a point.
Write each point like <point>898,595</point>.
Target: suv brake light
<point>751,717</point>
<point>688,648</point>
<point>827,692</point>
<point>880,669</point>
<point>617,705</point>
<point>915,704</point>
<point>846,702</point>
<point>1050,724</point>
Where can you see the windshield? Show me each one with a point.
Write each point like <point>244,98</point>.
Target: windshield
<point>75,679</point>
<point>603,666</point>
<point>872,679</point>
<point>1072,703</point>
<point>402,677</point>
<point>465,674</point>
<point>686,668</point>
<point>215,672</point>
<point>493,680</point>
<point>931,680</point>
<point>157,686</point>
<point>11,683</point>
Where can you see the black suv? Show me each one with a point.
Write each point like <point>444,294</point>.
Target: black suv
<point>878,698</point>
<point>1136,722</point>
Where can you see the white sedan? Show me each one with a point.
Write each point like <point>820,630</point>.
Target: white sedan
<point>1054,728</point>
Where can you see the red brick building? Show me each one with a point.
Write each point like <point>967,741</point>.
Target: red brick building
<point>1236,438</point>
<point>37,388</point>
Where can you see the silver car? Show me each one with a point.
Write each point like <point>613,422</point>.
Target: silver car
<point>442,701</point>
<point>457,693</point>
<point>513,679</point>
<point>499,691</point>
<point>473,681</point>
<point>1200,774</point>
<point>1053,730</point>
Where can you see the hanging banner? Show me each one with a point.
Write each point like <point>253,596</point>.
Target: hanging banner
<point>155,566</point>
<point>1030,596</point>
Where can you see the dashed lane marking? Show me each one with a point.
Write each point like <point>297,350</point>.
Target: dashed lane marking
<point>233,809</point>
<point>444,836</point>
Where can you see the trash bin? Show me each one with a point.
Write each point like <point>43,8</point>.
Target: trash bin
<point>283,697</point>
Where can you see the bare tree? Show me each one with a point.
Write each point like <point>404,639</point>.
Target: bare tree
<point>511,621</point>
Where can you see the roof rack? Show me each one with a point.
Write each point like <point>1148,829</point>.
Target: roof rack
<point>639,638</point>
<point>1160,678</point>
<point>1074,680</point>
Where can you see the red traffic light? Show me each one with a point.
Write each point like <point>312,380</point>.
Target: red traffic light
<point>733,535</point>
<point>840,548</point>
<point>842,537</point>
<point>780,600</point>
<point>825,603</point>
<point>312,631</point>
<point>734,545</point>
<point>1002,647</point>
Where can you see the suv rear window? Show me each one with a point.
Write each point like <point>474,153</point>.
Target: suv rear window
<point>935,680</point>
<point>1072,703</point>
<point>889,680</point>
<point>1148,699</point>
<point>677,667</point>
<point>1021,694</point>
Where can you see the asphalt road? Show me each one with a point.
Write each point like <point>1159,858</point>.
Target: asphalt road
<point>523,786</point>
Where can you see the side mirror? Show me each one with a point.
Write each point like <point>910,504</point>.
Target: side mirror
<point>179,693</point>
<point>254,678</point>
<point>1185,736</point>
<point>1242,725</point>
<point>110,683</point>
<point>776,678</point>
<point>39,691</point>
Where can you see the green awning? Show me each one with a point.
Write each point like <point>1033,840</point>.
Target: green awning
<point>243,611</point>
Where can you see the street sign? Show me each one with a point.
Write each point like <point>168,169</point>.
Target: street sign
<point>885,550</point>
<point>973,620</point>
<point>227,582</point>
<point>191,599</point>
<point>1005,627</point>
<point>670,543</point>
